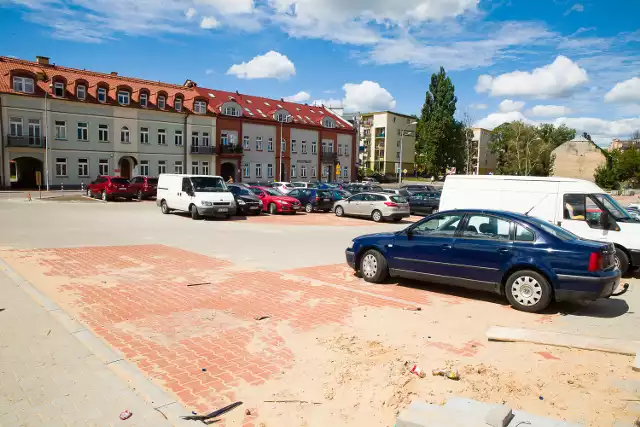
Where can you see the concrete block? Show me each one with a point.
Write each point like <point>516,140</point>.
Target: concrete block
<point>422,414</point>
<point>636,363</point>
<point>499,416</point>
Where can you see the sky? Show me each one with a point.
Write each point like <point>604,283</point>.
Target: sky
<point>541,61</point>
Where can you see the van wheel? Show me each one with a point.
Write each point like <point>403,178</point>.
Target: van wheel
<point>373,266</point>
<point>194,212</point>
<point>376,216</point>
<point>273,209</point>
<point>339,211</point>
<point>622,261</point>
<point>308,208</point>
<point>164,207</point>
<point>528,291</point>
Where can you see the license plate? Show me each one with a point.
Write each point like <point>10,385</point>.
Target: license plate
<point>122,188</point>
<point>223,210</point>
<point>295,208</point>
<point>253,207</point>
<point>327,200</point>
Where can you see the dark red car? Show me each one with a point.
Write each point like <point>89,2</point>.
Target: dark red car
<point>274,201</point>
<point>110,188</point>
<point>144,187</point>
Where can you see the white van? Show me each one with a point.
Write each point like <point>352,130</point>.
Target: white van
<point>200,195</point>
<point>574,204</point>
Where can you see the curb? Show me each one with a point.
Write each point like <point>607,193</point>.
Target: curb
<point>127,372</point>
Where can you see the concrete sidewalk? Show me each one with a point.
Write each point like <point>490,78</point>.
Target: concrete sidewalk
<point>48,377</point>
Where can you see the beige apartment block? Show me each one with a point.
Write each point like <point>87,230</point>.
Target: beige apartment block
<point>481,160</point>
<point>578,158</point>
<point>381,134</point>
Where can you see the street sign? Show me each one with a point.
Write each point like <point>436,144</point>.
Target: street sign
<point>337,169</point>
<point>405,171</point>
<point>38,178</point>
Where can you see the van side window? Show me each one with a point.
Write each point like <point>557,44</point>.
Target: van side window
<point>186,185</point>
<point>574,207</point>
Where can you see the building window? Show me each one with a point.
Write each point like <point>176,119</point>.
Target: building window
<point>195,138</point>
<point>245,142</point>
<point>177,167</point>
<point>270,144</point>
<point>23,84</point>
<point>177,104</point>
<point>83,131</point>
<point>330,146</point>
<point>125,137</point>
<point>61,129</point>
<point>283,117</point>
<point>194,168</point>
<point>61,166</point>
<point>15,126</point>
<point>103,133</point>
<point>83,167</point>
<point>144,167</point>
<point>205,168</point>
<point>81,92</point>
<point>144,99</point>
<point>231,111</point>
<point>313,171</point>
<point>123,97</point>
<point>177,137</point>
<point>103,167</point>
<point>314,147</point>
<point>224,138</point>
<point>205,140</point>
<point>303,171</point>
<point>162,167</point>
<point>162,102</point>
<point>58,89</point>
<point>102,95</point>
<point>246,170</point>
<point>259,143</point>
<point>293,169</point>
<point>283,145</point>
<point>269,170</point>
<point>328,123</point>
<point>339,149</point>
<point>345,171</point>
<point>34,132</point>
<point>258,170</point>
<point>144,135</point>
<point>303,147</point>
<point>162,137</point>
<point>325,171</point>
<point>200,107</point>
<point>294,147</point>
<point>397,156</point>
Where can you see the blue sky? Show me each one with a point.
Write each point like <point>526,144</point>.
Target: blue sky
<point>558,61</point>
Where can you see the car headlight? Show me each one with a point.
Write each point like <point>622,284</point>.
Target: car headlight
<point>260,202</point>
<point>241,202</point>
<point>350,245</point>
<point>206,203</point>
<point>284,203</point>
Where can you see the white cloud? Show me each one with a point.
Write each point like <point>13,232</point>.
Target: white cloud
<point>578,7</point>
<point>367,96</point>
<point>626,91</point>
<point>209,22</point>
<point>508,106</point>
<point>549,111</point>
<point>494,120</point>
<point>479,106</point>
<point>190,13</point>
<point>553,80</point>
<point>301,96</point>
<point>605,130</point>
<point>331,102</point>
<point>230,7</point>
<point>271,65</point>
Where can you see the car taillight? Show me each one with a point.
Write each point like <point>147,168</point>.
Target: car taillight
<point>145,186</point>
<point>596,261</point>
<point>317,198</point>
<point>391,204</point>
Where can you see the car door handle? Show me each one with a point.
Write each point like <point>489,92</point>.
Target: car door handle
<point>504,250</point>
<point>445,247</point>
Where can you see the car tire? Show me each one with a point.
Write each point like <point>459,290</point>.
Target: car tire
<point>139,195</point>
<point>373,266</point>
<point>194,212</point>
<point>164,208</point>
<point>622,261</point>
<point>376,215</point>
<point>105,197</point>
<point>528,290</point>
<point>339,211</point>
<point>308,208</point>
<point>89,193</point>
<point>273,209</point>
<point>396,219</point>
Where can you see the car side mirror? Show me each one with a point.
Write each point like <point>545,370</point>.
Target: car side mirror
<point>605,220</point>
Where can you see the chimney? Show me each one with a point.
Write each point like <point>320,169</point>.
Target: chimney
<point>114,73</point>
<point>42,60</point>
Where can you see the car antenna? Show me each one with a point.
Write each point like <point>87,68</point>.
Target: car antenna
<point>536,204</point>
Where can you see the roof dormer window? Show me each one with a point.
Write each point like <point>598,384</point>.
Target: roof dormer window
<point>162,102</point>
<point>81,92</point>
<point>23,84</point>
<point>200,107</point>
<point>124,97</point>
<point>283,117</point>
<point>144,99</point>
<point>58,89</point>
<point>102,95</point>
<point>231,111</point>
<point>177,104</point>
<point>328,123</point>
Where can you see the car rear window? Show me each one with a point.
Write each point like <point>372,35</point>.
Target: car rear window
<point>554,230</point>
<point>119,181</point>
<point>152,181</point>
<point>404,193</point>
<point>398,199</point>
<point>325,194</point>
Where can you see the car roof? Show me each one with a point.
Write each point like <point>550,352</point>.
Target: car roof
<point>506,214</point>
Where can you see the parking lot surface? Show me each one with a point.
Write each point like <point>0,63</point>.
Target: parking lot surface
<point>265,309</point>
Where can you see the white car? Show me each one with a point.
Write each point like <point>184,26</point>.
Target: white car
<point>283,187</point>
<point>304,184</point>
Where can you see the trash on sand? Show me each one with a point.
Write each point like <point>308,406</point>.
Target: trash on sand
<point>213,414</point>
<point>413,308</point>
<point>204,369</point>
<point>126,414</point>
<point>418,371</point>
<point>200,284</point>
<point>263,317</point>
<point>247,412</point>
<point>540,397</point>
<point>450,373</point>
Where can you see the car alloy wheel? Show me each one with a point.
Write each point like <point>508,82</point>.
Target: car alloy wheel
<point>377,216</point>
<point>89,193</point>
<point>339,211</point>
<point>104,195</point>
<point>273,209</point>
<point>139,195</point>
<point>369,266</point>
<point>308,208</point>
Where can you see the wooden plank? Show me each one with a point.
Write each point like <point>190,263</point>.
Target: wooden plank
<point>607,345</point>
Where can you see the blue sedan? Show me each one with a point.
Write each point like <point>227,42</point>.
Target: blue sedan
<point>530,261</point>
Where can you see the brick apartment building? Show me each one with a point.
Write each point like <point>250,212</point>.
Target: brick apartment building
<point>79,124</point>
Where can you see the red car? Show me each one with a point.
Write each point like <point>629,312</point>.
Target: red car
<point>110,188</point>
<point>143,187</point>
<point>274,201</point>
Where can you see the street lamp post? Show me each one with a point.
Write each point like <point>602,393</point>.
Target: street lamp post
<point>46,139</point>
<point>401,137</point>
<point>289,116</point>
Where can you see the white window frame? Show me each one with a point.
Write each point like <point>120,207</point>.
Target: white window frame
<point>61,129</point>
<point>16,126</point>
<point>258,170</point>
<point>303,147</point>
<point>144,99</point>
<point>231,111</point>
<point>178,139</point>
<point>162,137</point>
<point>83,168</point>
<point>313,171</point>
<point>330,147</point>
<point>303,171</point>
<point>195,139</point>
<point>59,86</point>
<point>199,107</point>
<point>293,171</point>
<point>144,167</point>
<point>339,149</point>
<point>35,132</point>
<point>345,171</point>
<point>144,135</point>
<point>125,135</point>
<point>246,141</point>
<point>177,104</point>
<point>259,143</point>
<point>205,168</point>
<point>162,167</point>
<point>205,139</point>
<point>246,169</point>
<point>195,167</point>
<point>23,84</point>
<point>224,138</point>
<point>84,130</point>
<point>162,102</point>
<point>270,144</point>
<point>102,93</point>
<point>294,148</point>
<point>61,167</point>
<point>328,123</point>
<point>103,167</point>
<point>269,170</point>
<point>103,133</point>
<point>124,97</point>
<point>178,167</point>
<point>314,147</point>
<point>81,92</point>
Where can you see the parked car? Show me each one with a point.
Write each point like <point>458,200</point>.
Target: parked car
<point>377,206</point>
<point>418,188</point>
<point>424,203</point>
<point>110,188</point>
<point>283,187</point>
<point>528,260</point>
<point>143,187</point>
<point>370,180</point>
<point>313,199</point>
<point>340,194</point>
<point>399,191</point>
<point>200,195</point>
<point>247,203</point>
<point>274,201</point>
<point>634,211</point>
<point>305,184</point>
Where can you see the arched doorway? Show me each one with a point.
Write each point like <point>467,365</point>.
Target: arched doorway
<point>228,170</point>
<point>126,165</point>
<point>22,171</point>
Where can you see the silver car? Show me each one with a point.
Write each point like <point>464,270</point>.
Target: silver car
<point>377,206</point>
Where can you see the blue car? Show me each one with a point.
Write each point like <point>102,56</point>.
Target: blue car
<point>530,261</point>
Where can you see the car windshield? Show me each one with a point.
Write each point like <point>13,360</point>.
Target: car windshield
<point>617,211</point>
<point>554,230</point>
<point>119,181</point>
<point>152,181</point>
<point>242,191</point>
<point>398,199</point>
<point>273,192</point>
<point>208,184</point>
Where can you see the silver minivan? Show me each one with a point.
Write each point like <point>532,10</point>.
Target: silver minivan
<point>377,206</point>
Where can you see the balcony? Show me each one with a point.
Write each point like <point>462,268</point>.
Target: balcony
<point>202,149</point>
<point>26,141</point>
<point>328,156</point>
<point>231,149</point>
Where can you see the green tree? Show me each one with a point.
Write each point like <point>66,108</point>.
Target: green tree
<point>440,138</point>
<point>628,166</point>
<point>552,137</point>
